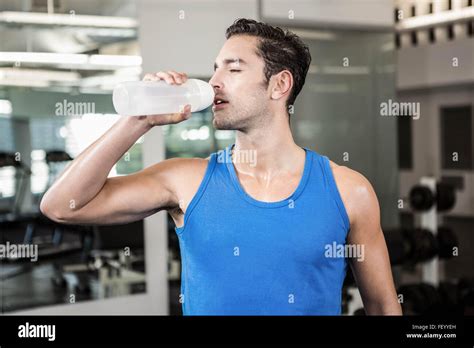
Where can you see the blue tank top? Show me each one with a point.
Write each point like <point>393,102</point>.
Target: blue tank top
<point>242,256</point>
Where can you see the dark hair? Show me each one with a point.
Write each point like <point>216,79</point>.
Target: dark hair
<point>280,50</point>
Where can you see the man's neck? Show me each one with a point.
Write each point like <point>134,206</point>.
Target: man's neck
<point>272,147</point>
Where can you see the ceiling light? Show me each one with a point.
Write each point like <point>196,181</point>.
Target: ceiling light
<point>72,19</point>
<point>436,19</point>
<point>79,61</point>
<point>5,107</point>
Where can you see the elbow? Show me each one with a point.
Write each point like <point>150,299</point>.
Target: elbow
<point>47,210</point>
<point>51,211</point>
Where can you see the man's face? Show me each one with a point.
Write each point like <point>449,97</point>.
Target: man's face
<point>239,81</point>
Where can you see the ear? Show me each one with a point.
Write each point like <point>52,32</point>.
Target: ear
<point>282,84</point>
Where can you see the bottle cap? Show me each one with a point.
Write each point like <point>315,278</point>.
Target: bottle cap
<point>120,99</point>
<point>206,92</point>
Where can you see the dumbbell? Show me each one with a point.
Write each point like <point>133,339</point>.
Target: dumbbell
<point>57,156</point>
<point>397,245</point>
<point>8,159</point>
<point>419,245</point>
<point>419,298</point>
<point>410,245</point>
<point>424,245</point>
<point>449,298</point>
<point>449,293</point>
<point>422,198</point>
<point>447,240</point>
<point>466,295</point>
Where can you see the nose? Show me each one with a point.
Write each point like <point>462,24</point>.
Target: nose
<point>216,81</point>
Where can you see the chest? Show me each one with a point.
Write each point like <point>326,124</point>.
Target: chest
<point>300,231</point>
<point>269,189</point>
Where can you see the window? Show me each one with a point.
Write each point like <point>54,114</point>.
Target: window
<point>405,150</point>
<point>7,144</point>
<point>196,137</point>
<point>46,134</point>
<point>73,135</point>
<point>81,132</point>
<point>456,137</point>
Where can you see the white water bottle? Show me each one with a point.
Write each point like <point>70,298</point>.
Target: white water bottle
<point>139,98</point>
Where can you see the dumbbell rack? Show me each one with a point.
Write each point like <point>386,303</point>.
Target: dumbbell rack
<point>429,220</point>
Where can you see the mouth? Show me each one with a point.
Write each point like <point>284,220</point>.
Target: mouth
<point>219,103</point>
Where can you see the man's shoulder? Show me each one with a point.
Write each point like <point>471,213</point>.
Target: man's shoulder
<point>188,161</point>
<point>183,176</point>
<point>355,189</point>
<point>347,176</point>
<point>187,166</point>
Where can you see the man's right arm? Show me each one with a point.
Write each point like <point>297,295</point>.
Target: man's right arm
<point>84,193</point>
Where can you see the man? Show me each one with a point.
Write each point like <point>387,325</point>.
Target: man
<point>261,224</point>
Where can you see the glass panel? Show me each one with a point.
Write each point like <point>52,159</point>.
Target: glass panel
<point>7,174</point>
<point>338,111</point>
<point>196,137</point>
<point>69,275</point>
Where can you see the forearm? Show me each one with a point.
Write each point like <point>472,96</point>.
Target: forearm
<point>86,175</point>
<point>383,308</point>
<point>378,291</point>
